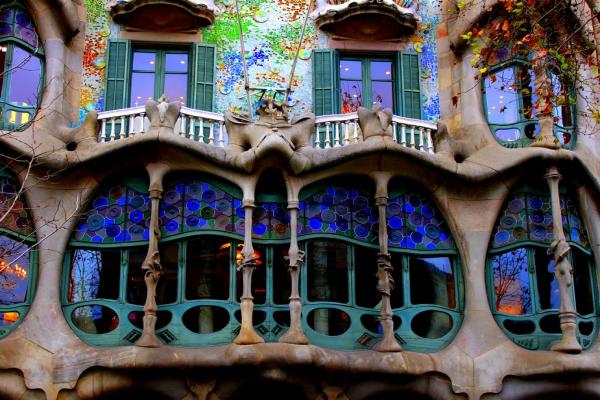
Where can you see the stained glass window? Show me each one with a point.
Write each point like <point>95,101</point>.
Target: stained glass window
<point>413,222</point>
<point>271,221</point>
<point>118,213</point>
<point>199,205</point>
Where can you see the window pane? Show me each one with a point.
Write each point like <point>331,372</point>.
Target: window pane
<point>508,135</point>
<point>143,61</point>
<point>136,286</point>
<point>327,272</point>
<point>501,98</point>
<point>176,62</point>
<point>381,70</point>
<point>94,275</point>
<point>398,292</point>
<point>432,281</point>
<point>365,265</point>
<point>3,50</point>
<point>528,92</point>
<point>207,269</point>
<point>546,281</point>
<point>142,88</point>
<point>511,282</point>
<point>584,294</point>
<point>14,271</point>
<point>24,28</point>
<point>562,109</point>
<point>352,96</point>
<point>24,78</point>
<point>383,93</point>
<point>176,87</point>
<point>351,70</point>
<point>281,277</point>
<point>166,291</point>
<point>259,276</point>
<point>6,22</point>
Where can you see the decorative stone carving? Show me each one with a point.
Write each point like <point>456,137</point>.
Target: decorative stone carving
<point>461,144</point>
<point>273,133</point>
<point>375,122</point>
<point>164,15</point>
<point>563,271</point>
<point>372,20</point>
<point>162,114</point>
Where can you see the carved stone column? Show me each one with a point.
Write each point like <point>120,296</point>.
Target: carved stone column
<point>247,334</point>
<point>385,280</point>
<point>543,86</point>
<point>153,272</point>
<point>294,335</point>
<point>563,271</point>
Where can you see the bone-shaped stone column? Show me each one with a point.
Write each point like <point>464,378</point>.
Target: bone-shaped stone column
<point>247,334</point>
<point>294,335</point>
<point>563,271</point>
<point>385,280</point>
<point>153,270</point>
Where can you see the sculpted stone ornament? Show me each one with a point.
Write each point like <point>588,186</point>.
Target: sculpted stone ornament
<point>273,133</point>
<point>375,122</point>
<point>162,114</point>
<point>543,86</point>
<point>563,271</point>
<point>461,144</point>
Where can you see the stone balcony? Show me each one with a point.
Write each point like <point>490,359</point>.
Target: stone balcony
<point>388,20</point>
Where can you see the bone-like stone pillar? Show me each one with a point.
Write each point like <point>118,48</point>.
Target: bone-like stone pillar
<point>543,85</point>
<point>151,265</point>
<point>294,335</point>
<point>247,334</point>
<point>385,280</point>
<point>563,271</point>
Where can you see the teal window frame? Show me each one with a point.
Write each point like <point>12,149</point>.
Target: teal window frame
<point>6,107</point>
<point>523,122</point>
<point>538,339</point>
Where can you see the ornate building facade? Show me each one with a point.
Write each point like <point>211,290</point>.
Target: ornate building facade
<point>267,198</point>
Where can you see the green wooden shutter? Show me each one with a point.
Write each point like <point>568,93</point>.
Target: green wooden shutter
<point>326,96</point>
<point>203,77</point>
<point>117,74</point>
<point>409,86</point>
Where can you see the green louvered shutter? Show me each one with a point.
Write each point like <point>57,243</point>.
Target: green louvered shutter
<point>409,85</point>
<point>325,66</point>
<point>117,74</point>
<point>203,77</point>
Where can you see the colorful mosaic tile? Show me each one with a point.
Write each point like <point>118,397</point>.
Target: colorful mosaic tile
<point>270,221</point>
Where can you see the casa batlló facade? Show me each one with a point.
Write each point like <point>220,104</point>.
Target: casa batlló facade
<point>371,229</point>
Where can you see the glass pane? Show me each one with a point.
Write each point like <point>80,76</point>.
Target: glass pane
<point>398,292</point>
<point>381,70</point>
<point>176,87</point>
<point>327,271</point>
<point>8,318</point>
<point>383,93</point>
<point>432,281</point>
<point>511,282</point>
<point>176,62</point>
<point>508,135</point>
<point>14,271</point>
<point>282,283</point>
<point>6,22</point>
<point>24,28</point>
<point>205,319</point>
<point>94,275</point>
<point>501,98</point>
<point>584,294</point>
<point>3,50</point>
<point>142,88</point>
<point>259,276</point>
<point>207,269</point>
<point>143,61</point>
<point>351,70</point>
<point>166,291</point>
<point>431,324</point>
<point>24,79</point>
<point>352,96</point>
<point>562,109</point>
<point>365,265</point>
<point>548,290</point>
<point>95,319</point>
<point>329,321</point>
<point>528,92</point>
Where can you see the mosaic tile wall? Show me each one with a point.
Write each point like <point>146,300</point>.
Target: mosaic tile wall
<point>272,32</point>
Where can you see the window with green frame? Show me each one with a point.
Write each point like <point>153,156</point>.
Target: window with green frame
<point>342,82</point>
<point>17,257</point>
<point>137,72</point>
<point>21,67</point>
<point>523,292</point>
<point>202,227</point>
<point>509,98</point>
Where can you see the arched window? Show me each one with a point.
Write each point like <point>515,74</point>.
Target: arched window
<point>509,105</point>
<point>21,67</point>
<point>524,294</point>
<point>339,231</point>
<point>17,258</point>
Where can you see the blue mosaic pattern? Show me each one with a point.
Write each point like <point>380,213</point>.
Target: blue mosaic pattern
<point>271,221</point>
<point>413,222</point>
<point>17,23</point>
<point>118,214</point>
<point>529,217</point>
<point>342,211</point>
<point>198,205</point>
